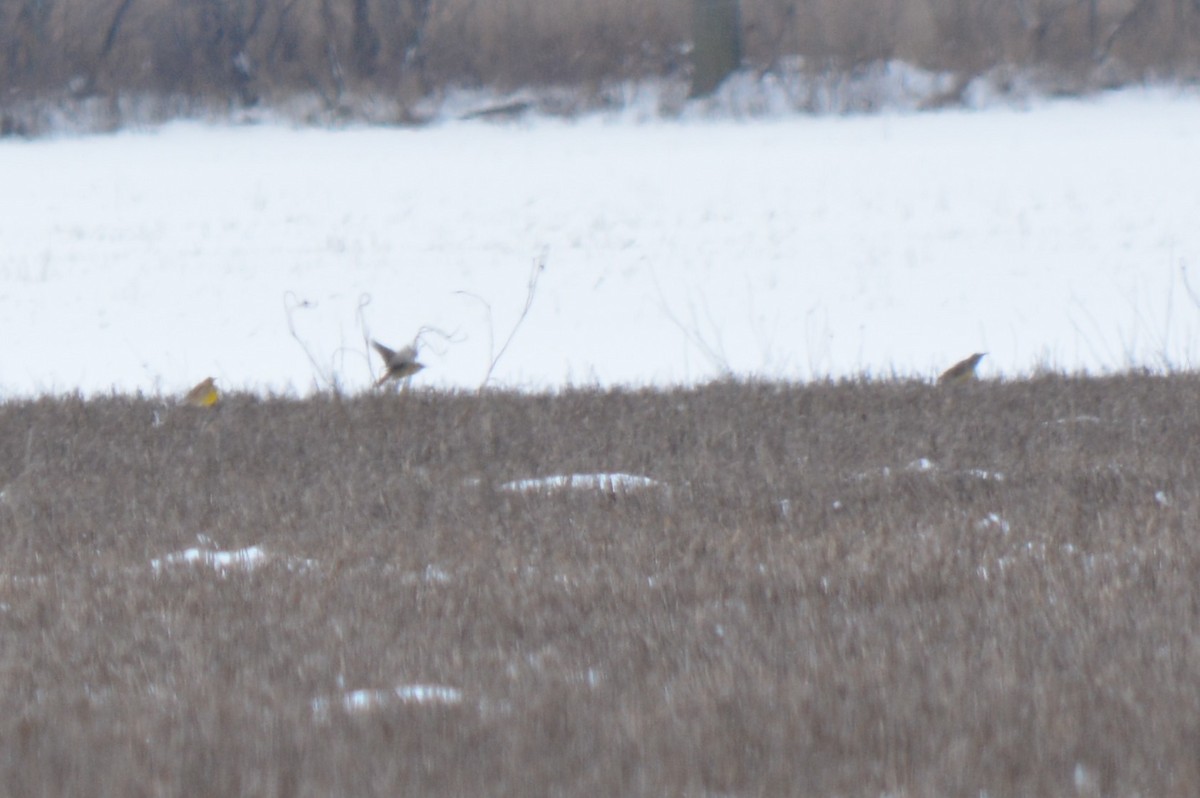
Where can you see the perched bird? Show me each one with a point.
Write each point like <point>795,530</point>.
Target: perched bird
<point>397,365</point>
<point>962,371</point>
<point>203,395</point>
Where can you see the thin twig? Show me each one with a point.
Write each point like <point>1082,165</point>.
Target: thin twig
<point>290,303</point>
<point>539,266</point>
<point>363,301</point>
<point>1188,285</point>
<point>715,355</point>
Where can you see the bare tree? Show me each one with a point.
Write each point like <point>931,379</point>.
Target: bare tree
<point>364,41</point>
<point>717,43</point>
<point>24,38</point>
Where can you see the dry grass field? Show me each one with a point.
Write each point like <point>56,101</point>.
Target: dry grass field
<point>853,588</point>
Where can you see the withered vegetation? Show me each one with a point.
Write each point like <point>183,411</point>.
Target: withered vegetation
<point>851,588</point>
<point>119,60</point>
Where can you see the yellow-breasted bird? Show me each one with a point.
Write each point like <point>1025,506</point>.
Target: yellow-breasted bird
<point>397,365</point>
<point>962,371</point>
<point>203,395</point>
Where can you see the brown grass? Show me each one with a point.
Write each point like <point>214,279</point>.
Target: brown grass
<point>781,615</point>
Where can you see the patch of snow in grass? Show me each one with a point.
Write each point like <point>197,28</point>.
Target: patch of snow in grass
<point>862,476</point>
<point>243,559</point>
<point>993,521</point>
<point>247,559</point>
<point>1086,781</point>
<point>369,700</point>
<point>434,574</point>
<point>428,694</point>
<point>592,677</point>
<point>1076,420</point>
<point>923,465</point>
<point>600,482</point>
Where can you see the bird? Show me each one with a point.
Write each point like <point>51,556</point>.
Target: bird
<point>962,371</point>
<point>398,365</point>
<point>203,395</point>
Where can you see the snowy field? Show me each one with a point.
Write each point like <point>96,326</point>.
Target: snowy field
<point>1063,235</point>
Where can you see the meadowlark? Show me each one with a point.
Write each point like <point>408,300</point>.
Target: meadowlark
<point>962,371</point>
<point>203,395</point>
<point>398,365</point>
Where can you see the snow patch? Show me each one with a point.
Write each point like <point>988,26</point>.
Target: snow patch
<point>368,700</point>
<point>1084,419</point>
<point>247,560</point>
<point>690,255</point>
<point>993,521</point>
<point>606,483</point>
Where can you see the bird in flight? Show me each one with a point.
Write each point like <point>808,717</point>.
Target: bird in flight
<point>397,364</point>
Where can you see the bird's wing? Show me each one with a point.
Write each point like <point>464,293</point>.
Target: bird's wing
<point>384,352</point>
<point>954,371</point>
<point>406,355</point>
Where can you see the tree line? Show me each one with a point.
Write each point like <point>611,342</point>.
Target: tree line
<point>249,51</point>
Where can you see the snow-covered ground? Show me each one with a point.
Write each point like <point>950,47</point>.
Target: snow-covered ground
<point>1065,234</point>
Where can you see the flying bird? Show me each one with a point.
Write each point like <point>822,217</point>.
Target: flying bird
<point>962,371</point>
<point>203,395</point>
<point>398,365</point>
